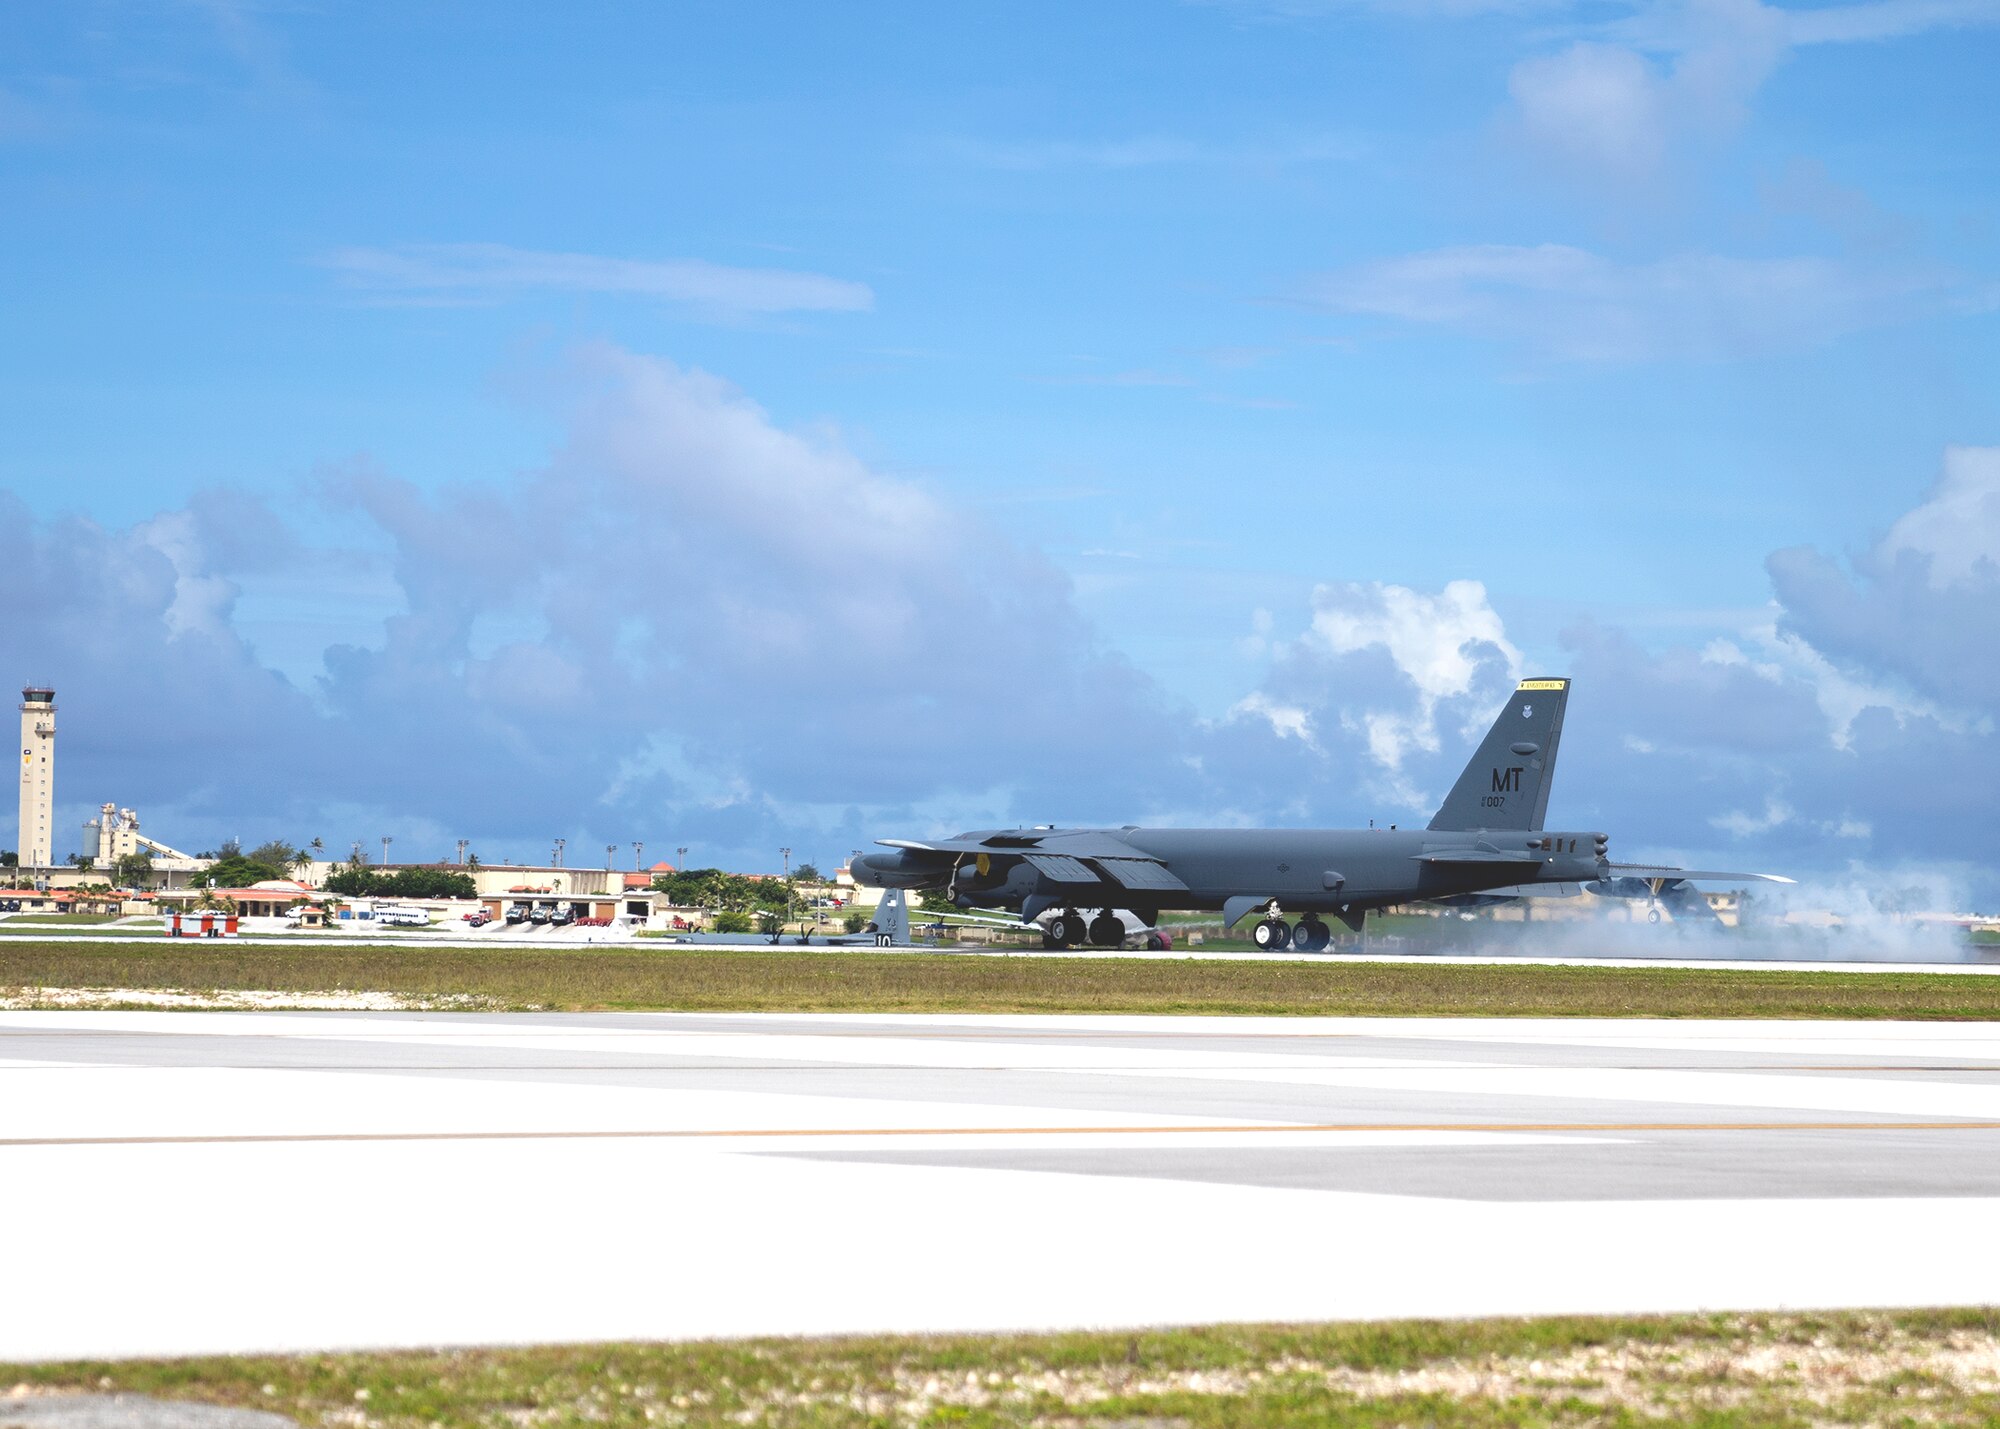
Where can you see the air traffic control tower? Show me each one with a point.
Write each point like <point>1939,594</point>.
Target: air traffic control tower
<point>38,776</point>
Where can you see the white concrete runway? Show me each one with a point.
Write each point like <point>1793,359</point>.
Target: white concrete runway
<point>189,1182</point>
<point>1940,956</point>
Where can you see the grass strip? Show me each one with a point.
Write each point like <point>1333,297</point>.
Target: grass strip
<point>1850,1367</point>
<point>803,980</point>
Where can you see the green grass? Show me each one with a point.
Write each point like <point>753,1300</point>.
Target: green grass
<point>1861,1367</point>
<point>802,980</point>
<point>15,918</point>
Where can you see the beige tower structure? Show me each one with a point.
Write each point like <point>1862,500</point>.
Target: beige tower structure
<point>38,777</point>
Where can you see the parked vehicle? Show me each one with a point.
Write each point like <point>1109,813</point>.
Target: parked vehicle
<point>479,919</point>
<point>403,917</point>
<point>563,916</point>
<point>539,914</point>
<point>518,913</point>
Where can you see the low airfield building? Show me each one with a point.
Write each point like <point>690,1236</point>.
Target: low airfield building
<point>275,898</point>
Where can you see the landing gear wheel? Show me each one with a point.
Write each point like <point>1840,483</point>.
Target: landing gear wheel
<point>1273,935</point>
<point>1652,915</point>
<point>1155,943</point>
<point>1064,930</point>
<point>1106,931</point>
<point>1311,935</point>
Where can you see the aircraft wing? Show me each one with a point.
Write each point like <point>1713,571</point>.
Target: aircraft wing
<point>1073,856</point>
<point>1531,890</point>
<point>1486,857</point>
<point>1691,875</point>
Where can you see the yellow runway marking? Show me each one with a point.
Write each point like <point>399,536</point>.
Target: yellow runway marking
<point>779,1133</point>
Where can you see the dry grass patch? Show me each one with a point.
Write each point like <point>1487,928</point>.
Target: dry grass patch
<point>1918,1368</point>
<point>804,980</point>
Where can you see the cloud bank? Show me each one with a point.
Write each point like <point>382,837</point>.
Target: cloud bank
<point>691,625</point>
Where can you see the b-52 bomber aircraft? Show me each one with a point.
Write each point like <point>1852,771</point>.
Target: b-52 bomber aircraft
<point>1487,836</point>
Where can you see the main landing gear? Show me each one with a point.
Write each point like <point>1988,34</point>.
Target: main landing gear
<point>1273,934</point>
<point>1067,929</point>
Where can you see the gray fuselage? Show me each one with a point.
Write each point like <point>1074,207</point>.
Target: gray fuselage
<point>1230,870</point>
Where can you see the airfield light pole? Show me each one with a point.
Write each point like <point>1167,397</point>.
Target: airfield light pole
<point>387,839</point>
<point>682,854</point>
<point>788,883</point>
<point>638,855</point>
<point>461,850</point>
<point>610,852</point>
<point>556,854</point>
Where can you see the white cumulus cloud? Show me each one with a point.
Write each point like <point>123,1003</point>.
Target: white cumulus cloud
<point>1570,304</point>
<point>488,271</point>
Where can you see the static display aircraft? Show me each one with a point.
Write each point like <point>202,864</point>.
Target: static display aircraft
<point>889,928</point>
<point>1488,836</point>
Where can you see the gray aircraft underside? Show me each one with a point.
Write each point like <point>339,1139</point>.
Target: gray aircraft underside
<point>1487,836</point>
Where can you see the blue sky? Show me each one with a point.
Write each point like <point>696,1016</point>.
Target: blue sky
<point>1099,411</point>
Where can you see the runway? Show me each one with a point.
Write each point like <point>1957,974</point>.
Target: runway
<point>1666,951</point>
<point>185,1183</point>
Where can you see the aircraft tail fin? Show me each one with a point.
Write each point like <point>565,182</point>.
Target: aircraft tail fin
<point>1506,786</point>
<point>892,919</point>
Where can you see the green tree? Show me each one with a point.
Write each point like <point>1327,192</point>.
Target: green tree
<point>133,870</point>
<point>431,883</point>
<point>403,883</point>
<point>352,881</point>
<point>236,871</point>
<point>273,853</point>
<point>807,873</point>
<point>732,921</point>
